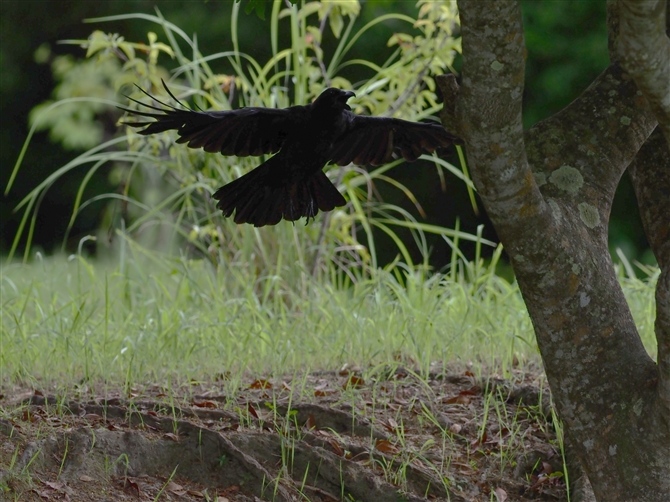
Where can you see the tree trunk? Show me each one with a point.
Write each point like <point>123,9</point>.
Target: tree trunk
<point>549,193</point>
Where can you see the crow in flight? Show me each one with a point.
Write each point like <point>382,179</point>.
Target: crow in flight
<point>292,184</point>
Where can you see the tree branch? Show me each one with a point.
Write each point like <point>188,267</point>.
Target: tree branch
<point>488,112</point>
<point>594,138</point>
<point>644,49</point>
<point>450,92</point>
<point>613,30</point>
<point>650,174</point>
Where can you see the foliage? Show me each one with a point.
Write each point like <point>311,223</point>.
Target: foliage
<point>166,186</point>
<point>561,67</point>
<point>73,123</point>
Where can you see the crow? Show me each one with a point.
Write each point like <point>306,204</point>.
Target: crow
<point>291,184</point>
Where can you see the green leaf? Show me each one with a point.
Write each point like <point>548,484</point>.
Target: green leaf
<point>309,9</point>
<point>97,42</point>
<point>258,6</point>
<point>123,80</point>
<point>128,49</point>
<point>336,23</point>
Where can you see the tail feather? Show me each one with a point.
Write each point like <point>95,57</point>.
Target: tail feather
<point>258,198</point>
<point>324,193</point>
<point>270,212</point>
<point>237,193</point>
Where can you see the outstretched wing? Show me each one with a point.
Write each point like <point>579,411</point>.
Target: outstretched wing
<point>376,140</point>
<point>242,132</point>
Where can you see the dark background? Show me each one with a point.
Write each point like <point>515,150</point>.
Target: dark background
<point>567,49</point>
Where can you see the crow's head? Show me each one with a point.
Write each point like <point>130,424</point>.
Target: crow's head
<point>334,99</point>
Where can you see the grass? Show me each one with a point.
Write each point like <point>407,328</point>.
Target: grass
<point>159,318</point>
<point>173,327</point>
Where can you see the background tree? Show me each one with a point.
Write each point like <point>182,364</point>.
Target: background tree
<point>549,192</point>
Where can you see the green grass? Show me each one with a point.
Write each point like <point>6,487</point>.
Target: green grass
<point>149,318</point>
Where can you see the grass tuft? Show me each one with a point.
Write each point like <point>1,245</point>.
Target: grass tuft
<point>158,318</point>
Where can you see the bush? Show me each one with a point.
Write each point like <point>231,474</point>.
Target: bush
<point>163,197</point>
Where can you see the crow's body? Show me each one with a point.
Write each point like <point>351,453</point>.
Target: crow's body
<point>292,184</point>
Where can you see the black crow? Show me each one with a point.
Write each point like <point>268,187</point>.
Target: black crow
<point>292,184</point>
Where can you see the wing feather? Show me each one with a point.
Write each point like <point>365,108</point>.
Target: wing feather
<point>243,132</point>
<point>376,140</point>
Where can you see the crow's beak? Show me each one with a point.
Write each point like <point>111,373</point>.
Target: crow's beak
<point>349,94</point>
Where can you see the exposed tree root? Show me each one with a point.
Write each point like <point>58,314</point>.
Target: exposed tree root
<point>271,466</point>
<point>414,444</point>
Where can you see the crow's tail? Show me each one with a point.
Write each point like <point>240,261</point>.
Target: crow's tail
<point>258,198</point>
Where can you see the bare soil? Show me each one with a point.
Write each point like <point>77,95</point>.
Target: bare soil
<point>390,436</point>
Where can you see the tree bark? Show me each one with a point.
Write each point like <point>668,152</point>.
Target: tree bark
<point>644,50</point>
<point>650,174</point>
<point>549,193</point>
